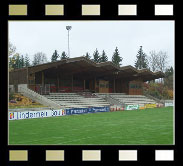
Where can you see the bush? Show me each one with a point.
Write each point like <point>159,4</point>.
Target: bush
<point>158,90</point>
<point>170,94</point>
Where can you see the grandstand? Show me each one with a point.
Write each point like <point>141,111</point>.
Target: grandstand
<point>81,83</point>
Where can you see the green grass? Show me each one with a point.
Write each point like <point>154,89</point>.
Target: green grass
<point>149,126</point>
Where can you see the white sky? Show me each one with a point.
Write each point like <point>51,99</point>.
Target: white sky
<point>31,37</point>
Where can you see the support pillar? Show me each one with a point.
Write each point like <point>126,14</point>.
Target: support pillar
<point>114,86</point>
<point>58,83</point>
<point>72,82</point>
<point>42,81</point>
<point>84,85</point>
<point>42,76</point>
<point>95,86</point>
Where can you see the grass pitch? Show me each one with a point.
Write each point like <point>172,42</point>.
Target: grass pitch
<point>149,126</point>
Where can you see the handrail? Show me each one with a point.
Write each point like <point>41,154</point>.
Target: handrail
<point>37,97</point>
<point>154,98</point>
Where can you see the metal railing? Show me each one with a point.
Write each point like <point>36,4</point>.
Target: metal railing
<point>37,97</point>
<point>42,89</point>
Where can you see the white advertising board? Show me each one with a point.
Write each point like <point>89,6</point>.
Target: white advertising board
<point>35,114</point>
<point>132,107</point>
<point>169,104</point>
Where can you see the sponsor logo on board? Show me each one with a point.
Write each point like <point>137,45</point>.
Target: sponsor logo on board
<point>35,114</point>
<point>132,107</point>
<point>150,105</point>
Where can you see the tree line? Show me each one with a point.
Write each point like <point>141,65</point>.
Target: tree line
<point>17,61</point>
<point>97,57</point>
<point>155,61</point>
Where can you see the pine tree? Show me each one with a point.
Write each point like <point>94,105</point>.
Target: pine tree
<point>96,56</point>
<point>87,56</point>
<point>103,57</point>
<point>35,61</point>
<point>54,56</point>
<point>27,61</point>
<point>22,62</point>
<point>116,59</point>
<point>169,72</point>
<point>169,77</point>
<point>63,56</point>
<point>17,62</point>
<point>141,62</point>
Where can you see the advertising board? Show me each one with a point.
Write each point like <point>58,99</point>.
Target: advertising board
<point>132,107</point>
<point>72,111</point>
<point>35,114</point>
<point>100,109</point>
<point>169,104</point>
<point>150,105</point>
<point>86,110</point>
<point>17,115</point>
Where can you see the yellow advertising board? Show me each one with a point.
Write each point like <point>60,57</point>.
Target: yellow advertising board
<point>141,108</point>
<point>150,106</point>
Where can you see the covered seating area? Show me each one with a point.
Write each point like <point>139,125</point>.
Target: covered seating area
<point>82,75</point>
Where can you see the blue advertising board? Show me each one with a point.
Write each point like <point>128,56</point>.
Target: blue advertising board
<point>86,110</point>
<point>100,109</point>
<point>77,111</point>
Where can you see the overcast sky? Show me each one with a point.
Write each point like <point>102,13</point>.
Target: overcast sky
<point>31,37</point>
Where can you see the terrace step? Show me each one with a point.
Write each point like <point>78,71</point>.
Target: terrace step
<point>76,100</point>
<point>128,99</point>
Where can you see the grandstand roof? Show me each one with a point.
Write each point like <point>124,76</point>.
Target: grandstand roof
<point>107,69</point>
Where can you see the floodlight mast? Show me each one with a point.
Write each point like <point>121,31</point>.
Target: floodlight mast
<point>68,29</point>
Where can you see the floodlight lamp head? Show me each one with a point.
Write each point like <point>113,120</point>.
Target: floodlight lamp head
<point>68,28</point>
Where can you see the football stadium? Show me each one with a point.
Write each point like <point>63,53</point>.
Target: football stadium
<point>87,103</point>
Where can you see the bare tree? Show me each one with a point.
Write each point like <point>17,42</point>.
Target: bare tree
<point>158,61</point>
<point>162,61</point>
<point>11,49</point>
<point>39,58</point>
<point>153,61</point>
<point>13,56</point>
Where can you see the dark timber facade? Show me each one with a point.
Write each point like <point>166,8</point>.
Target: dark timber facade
<point>81,74</point>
